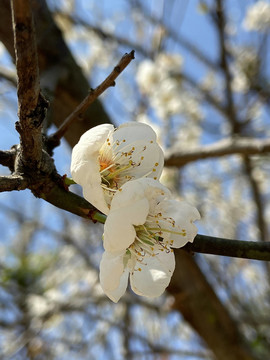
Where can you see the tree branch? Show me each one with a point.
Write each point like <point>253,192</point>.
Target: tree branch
<point>8,75</point>
<point>233,248</point>
<point>77,205</point>
<point>32,106</point>
<point>26,56</point>
<point>221,22</point>
<point>102,33</point>
<point>7,157</point>
<point>241,146</point>
<point>54,140</point>
<point>12,182</point>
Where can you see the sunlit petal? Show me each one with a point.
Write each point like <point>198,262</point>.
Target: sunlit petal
<point>113,276</point>
<point>152,278</point>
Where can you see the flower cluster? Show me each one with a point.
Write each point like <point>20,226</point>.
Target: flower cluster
<point>160,80</point>
<point>245,68</point>
<point>119,172</point>
<point>258,17</point>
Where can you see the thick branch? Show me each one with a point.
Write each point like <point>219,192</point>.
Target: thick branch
<point>91,97</point>
<point>201,307</point>
<point>32,106</point>
<point>241,146</point>
<point>26,56</point>
<point>70,202</point>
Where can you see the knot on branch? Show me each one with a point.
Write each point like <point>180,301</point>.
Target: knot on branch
<point>32,119</point>
<point>33,169</point>
<point>40,112</point>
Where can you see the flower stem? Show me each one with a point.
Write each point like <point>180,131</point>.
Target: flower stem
<point>99,217</point>
<point>69,181</point>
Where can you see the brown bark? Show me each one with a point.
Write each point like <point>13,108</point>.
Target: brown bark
<point>203,310</point>
<point>239,146</point>
<point>64,82</point>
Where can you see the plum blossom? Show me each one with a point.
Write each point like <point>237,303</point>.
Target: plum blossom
<point>143,225</point>
<point>245,68</point>
<point>258,17</point>
<point>160,80</point>
<point>151,73</point>
<point>105,158</point>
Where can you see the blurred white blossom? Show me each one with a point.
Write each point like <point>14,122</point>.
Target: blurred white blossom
<point>245,68</point>
<point>160,80</point>
<point>258,17</point>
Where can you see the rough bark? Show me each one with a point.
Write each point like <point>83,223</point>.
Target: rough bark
<point>62,80</point>
<point>66,86</point>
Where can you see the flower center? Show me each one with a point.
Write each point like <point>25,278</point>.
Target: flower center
<point>116,161</point>
<point>152,238</point>
<point>146,243</point>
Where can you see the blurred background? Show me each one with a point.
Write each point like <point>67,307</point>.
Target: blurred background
<point>201,80</point>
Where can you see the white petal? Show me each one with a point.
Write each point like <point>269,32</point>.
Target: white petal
<point>139,140</point>
<point>116,294</point>
<point>183,214</point>
<point>119,232</point>
<point>154,276</point>
<point>88,148</point>
<point>147,188</point>
<point>85,164</point>
<point>149,158</point>
<point>134,131</point>
<point>113,276</point>
<point>93,139</point>
<point>129,207</point>
<point>90,181</point>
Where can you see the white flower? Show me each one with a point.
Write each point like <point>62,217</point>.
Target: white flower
<point>151,74</point>
<point>170,62</point>
<point>245,68</point>
<point>143,225</point>
<point>167,100</point>
<point>148,76</point>
<point>258,17</point>
<point>105,158</point>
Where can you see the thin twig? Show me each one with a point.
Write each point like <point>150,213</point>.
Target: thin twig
<point>258,200</point>
<point>233,248</point>
<point>7,157</point>
<point>12,182</point>
<point>262,225</point>
<point>241,146</point>
<point>91,97</point>
<point>104,34</point>
<point>8,75</point>
<point>221,23</point>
